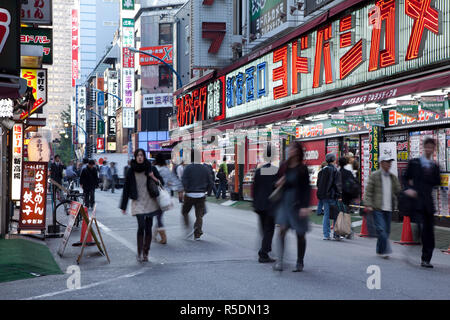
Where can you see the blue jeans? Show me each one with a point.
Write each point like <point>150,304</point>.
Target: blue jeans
<point>326,216</point>
<point>320,207</point>
<point>222,188</point>
<point>382,220</point>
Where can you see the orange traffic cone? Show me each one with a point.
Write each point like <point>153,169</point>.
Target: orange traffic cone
<point>407,236</point>
<point>364,231</point>
<point>84,225</point>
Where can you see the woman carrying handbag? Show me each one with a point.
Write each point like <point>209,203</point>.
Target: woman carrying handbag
<point>139,187</point>
<point>293,208</point>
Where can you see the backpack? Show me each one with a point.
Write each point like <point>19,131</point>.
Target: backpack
<point>350,186</point>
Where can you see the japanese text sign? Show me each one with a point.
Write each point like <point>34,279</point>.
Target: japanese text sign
<point>17,158</point>
<point>36,12</point>
<point>36,79</point>
<point>75,45</point>
<point>33,198</point>
<point>39,37</point>
<point>165,53</point>
<point>9,37</point>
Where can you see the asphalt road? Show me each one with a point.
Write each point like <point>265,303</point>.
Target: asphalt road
<point>223,265</point>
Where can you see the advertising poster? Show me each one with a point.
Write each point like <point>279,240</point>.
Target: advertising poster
<point>390,149</point>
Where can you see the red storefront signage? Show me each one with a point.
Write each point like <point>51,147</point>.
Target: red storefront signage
<point>75,45</point>
<point>33,199</point>
<point>128,58</point>
<point>314,152</point>
<point>100,143</point>
<point>165,53</point>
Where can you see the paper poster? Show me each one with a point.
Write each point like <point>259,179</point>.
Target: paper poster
<point>390,149</point>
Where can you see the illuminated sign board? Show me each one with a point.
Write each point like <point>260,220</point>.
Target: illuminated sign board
<point>17,152</point>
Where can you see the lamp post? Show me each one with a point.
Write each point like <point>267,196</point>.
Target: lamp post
<point>180,83</point>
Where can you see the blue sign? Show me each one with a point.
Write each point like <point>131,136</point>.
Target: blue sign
<point>101,99</point>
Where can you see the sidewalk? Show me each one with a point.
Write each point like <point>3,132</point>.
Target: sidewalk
<point>442,235</point>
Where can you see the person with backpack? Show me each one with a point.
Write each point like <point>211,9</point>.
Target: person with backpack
<point>329,190</point>
<point>380,198</point>
<point>319,210</point>
<point>222,184</point>
<point>350,187</point>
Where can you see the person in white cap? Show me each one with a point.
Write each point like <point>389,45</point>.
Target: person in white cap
<point>380,198</point>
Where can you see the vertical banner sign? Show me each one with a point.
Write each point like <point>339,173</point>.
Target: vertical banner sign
<point>37,80</point>
<point>127,4</point>
<point>75,44</point>
<point>17,151</point>
<point>375,136</point>
<point>73,111</point>
<point>100,143</point>
<point>113,88</point>
<point>81,110</point>
<point>128,98</point>
<point>34,195</point>
<point>111,126</point>
<point>100,99</point>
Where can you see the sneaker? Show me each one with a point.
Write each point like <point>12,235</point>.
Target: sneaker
<point>197,238</point>
<point>426,264</point>
<point>189,234</point>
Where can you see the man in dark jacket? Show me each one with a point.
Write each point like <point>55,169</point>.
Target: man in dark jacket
<point>328,190</point>
<point>196,182</point>
<point>56,173</point>
<point>263,186</point>
<point>422,175</point>
<point>89,181</point>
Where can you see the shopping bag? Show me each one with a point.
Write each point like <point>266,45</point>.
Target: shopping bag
<point>343,225</point>
<point>164,200</point>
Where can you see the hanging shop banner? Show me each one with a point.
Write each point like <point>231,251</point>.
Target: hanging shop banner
<point>17,158</point>
<point>128,37</point>
<point>36,79</point>
<point>111,126</point>
<point>375,137</point>
<point>100,127</point>
<point>127,4</point>
<point>165,53</point>
<point>81,113</point>
<point>343,53</point>
<point>338,120</point>
<point>374,117</point>
<point>127,58</point>
<point>157,100</point>
<point>265,16</point>
<point>33,199</point>
<point>390,149</point>
<point>435,104</point>
<point>395,119</point>
<point>127,117</point>
<point>9,37</point>
<point>408,108</point>
<point>128,22</point>
<point>39,37</point>
<point>314,5</point>
<point>128,88</point>
<point>113,88</point>
<point>100,144</point>
<point>75,47</point>
<point>37,12</point>
<point>100,99</point>
<point>327,128</point>
<point>354,117</point>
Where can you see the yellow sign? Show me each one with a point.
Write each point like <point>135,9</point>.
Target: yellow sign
<point>444,180</point>
<point>31,76</point>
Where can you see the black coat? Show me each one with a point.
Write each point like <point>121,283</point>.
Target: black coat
<point>346,177</point>
<point>130,189</point>
<point>263,186</point>
<point>56,172</point>
<point>423,182</point>
<point>89,178</point>
<point>329,183</point>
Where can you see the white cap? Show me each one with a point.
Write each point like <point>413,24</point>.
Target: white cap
<point>386,157</point>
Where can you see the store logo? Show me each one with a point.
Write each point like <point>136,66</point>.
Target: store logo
<point>5,20</point>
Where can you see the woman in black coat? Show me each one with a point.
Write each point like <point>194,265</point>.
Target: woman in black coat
<point>293,209</point>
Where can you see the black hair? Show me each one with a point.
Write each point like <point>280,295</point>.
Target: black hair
<point>140,150</point>
<point>57,156</point>
<point>91,162</point>
<point>159,160</point>
<point>429,141</point>
<point>85,161</point>
<point>343,161</point>
<point>299,146</point>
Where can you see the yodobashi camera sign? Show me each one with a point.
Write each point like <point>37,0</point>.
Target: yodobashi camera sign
<point>266,15</point>
<point>314,5</point>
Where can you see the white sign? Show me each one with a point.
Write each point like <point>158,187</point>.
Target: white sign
<point>113,103</point>
<point>157,100</point>
<point>17,152</point>
<point>127,117</point>
<point>81,102</point>
<point>128,88</point>
<point>73,110</point>
<point>128,37</point>
<point>6,108</point>
<point>390,149</point>
<point>36,12</point>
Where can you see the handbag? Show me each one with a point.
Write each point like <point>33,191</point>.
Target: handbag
<point>276,194</point>
<point>164,200</point>
<point>343,225</point>
<point>334,211</point>
<point>152,188</point>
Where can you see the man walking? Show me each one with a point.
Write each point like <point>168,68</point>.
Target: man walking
<point>263,185</point>
<point>56,173</point>
<point>179,172</point>
<point>89,181</point>
<point>114,176</point>
<point>196,182</point>
<point>380,198</point>
<point>422,175</point>
<point>328,190</point>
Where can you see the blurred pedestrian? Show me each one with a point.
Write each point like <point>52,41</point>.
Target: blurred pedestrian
<point>143,206</point>
<point>263,186</point>
<point>71,174</point>
<point>196,182</point>
<point>170,182</point>
<point>222,184</point>
<point>380,198</point>
<point>329,190</point>
<point>57,173</point>
<point>319,210</point>
<point>180,170</point>
<point>89,182</point>
<point>125,169</point>
<point>293,209</point>
<point>114,176</point>
<point>422,176</point>
<point>213,177</point>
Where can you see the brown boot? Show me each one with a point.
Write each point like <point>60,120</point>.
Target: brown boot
<point>162,234</point>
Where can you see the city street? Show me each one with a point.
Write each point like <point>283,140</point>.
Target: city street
<point>223,265</point>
